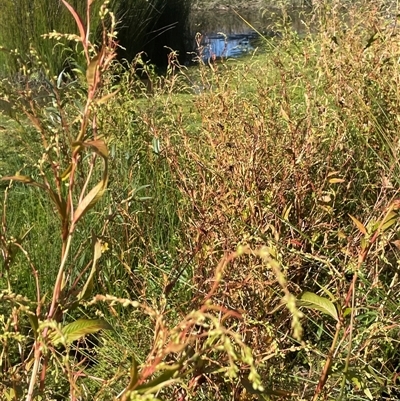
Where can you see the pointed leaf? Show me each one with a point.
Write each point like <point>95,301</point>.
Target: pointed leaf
<point>390,219</point>
<point>359,225</point>
<point>34,322</point>
<point>333,173</point>
<point>92,70</point>
<point>327,292</point>
<point>374,37</point>
<point>80,328</point>
<point>97,192</point>
<point>106,97</point>
<point>134,375</point>
<point>66,173</point>
<point>99,146</point>
<point>90,200</point>
<point>347,312</point>
<point>24,180</point>
<point>313,301</point>
<point>87,289</point>
<point>284,115</point>
<point>156,145</point>
<point>60,204</point>
<point>286,212</point>
<point>78,20</point>
<point>156,383</point>
<point>336,180</point>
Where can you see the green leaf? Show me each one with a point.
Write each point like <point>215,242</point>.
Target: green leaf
<point>105,98</point>
<point>134,375</point>
<point>156,146</point>
<point>313,301</point>
<point>154,385</point>
<point>65,174</point>
<point>34,322</point>
<point>87,289</point>
<point>80,328</point>
<point>92,69</point>
<point>390,219</point>
<point>360,382</point>
<point>327,292</point>
<point>347,312</point>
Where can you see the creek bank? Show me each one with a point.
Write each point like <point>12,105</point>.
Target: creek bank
<point>256,5</point>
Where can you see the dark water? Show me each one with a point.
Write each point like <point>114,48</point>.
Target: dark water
<point>226,33</point>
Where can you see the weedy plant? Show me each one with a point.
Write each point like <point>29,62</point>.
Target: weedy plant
<point>297,149</point>
<point>58,170</point>
<point>63,121</point>
<point>282,171</point>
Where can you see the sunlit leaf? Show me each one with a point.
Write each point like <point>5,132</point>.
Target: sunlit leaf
<point>99,146</point>
<point>97,192</point>
<point>359,225</point>
<point>80,328</point>
<point>368,393</point>
<point>66,173</point>
<point>156,146</point>
<point>347,312</point>
<point>327,292</point>
<point>158,382</point>
<point>284,115</point>
<point>390,219</point>
<point>105,98</point>
<point>325,198</point>
<point>333,173</point>
<point>60,78</point>
<point>336,180</point>
<point>313,301</point>
<point>90,200</point>
<point>24,180</point>
<point>286,212</point>
<point>364,243</point>
<point>92,69</point>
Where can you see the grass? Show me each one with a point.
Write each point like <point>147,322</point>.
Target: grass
<point>142,27</point>
<point>224,207</point>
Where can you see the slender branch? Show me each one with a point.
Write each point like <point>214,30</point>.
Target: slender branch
<point>57,287</point>
<point>328,363</point>
<point>35,370</point>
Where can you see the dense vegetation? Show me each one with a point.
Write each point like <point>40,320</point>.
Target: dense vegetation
<point>142,27</point>
<point>228,232</point>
